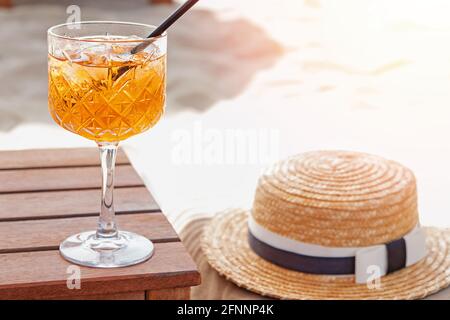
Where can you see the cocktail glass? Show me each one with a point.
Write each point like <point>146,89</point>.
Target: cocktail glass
<point>100,89</point>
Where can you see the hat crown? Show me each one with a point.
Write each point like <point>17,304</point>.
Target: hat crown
<point>337,199</point>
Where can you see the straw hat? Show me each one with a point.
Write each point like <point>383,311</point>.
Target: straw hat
<point>331,225</point>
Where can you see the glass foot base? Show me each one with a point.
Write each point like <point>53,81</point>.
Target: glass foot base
<point>124,250</point>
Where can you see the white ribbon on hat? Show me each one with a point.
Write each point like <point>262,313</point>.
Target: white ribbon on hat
<point>365,257</point>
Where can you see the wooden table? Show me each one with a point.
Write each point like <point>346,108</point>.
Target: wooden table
<point>47,195</point>
<point>5,3</point>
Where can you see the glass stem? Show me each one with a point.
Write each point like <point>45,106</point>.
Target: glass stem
<point>106,224</point>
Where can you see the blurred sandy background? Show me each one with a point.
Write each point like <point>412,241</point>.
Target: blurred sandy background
<point>372,76</point>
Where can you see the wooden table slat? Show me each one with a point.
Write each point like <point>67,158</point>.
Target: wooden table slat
<point>170,267</point>
<point>50,158</point>
<point>36,235</point>
<point>63,179</point>
<point>60,204</point>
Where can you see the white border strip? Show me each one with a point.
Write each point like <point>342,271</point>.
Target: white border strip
<point>309,249</point>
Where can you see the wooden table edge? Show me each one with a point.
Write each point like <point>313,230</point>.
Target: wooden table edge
<point>56,290</point>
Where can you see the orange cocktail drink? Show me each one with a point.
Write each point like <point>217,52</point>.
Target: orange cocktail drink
<point>89,96</point>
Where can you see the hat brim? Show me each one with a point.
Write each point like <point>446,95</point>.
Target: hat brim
<point>225,245</point>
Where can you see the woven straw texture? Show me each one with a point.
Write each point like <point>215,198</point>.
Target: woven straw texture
<point>225,245</point>
<point>338,199</point>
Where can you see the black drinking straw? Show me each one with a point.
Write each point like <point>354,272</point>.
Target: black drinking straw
<point>157,32</point>
<point>165,25</point>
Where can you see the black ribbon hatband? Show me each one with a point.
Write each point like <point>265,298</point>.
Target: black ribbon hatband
<point>324,265</point>
<point>396,252</point>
